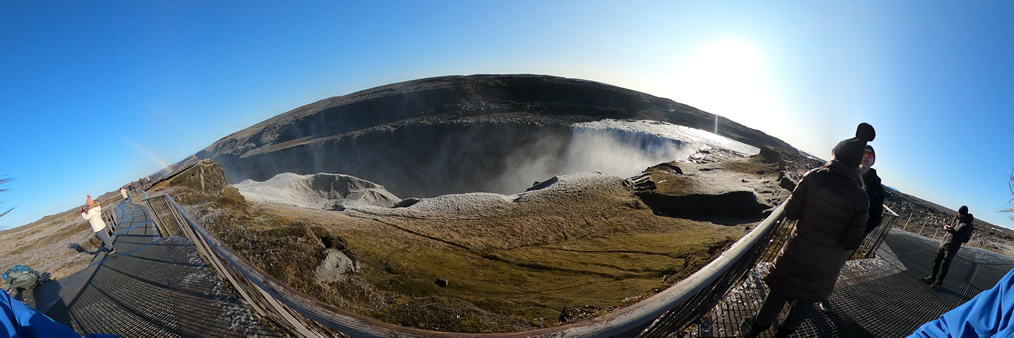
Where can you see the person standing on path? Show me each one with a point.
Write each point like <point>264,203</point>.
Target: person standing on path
<point>875,191</point>
<point>959,231</point>
<point>93,214</point>
<point>831,208</point>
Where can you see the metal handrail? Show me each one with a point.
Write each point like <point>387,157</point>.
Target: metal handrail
<point>875,238</point>
<point>170,219</point>
<point>110,218</point>
<point>712,282</point>
<point>755,252</point>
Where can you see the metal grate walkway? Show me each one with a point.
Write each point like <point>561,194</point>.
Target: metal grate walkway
<point>152,286</point>
<point>877,297</point>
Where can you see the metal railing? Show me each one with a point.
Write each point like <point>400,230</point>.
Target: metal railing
<point>109,216</point>
<point>876,237</point>
<point>934,230</point>
<point>759,246</point>
<point>167,218</point>
<point>176,169</point>
<point>163,174</point>
<point>718,277</point>
<point>170,219</point>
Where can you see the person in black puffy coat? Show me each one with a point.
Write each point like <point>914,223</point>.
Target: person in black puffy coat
<point>875,191</point>
<point>831,209</point>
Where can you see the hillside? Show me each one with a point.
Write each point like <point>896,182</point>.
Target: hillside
<point>914,210</point>
<point>462,133</point>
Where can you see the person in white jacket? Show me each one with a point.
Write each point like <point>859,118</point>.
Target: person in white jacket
<point>93,214</point>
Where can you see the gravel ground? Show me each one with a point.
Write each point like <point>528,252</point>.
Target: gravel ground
<point>47,247</point>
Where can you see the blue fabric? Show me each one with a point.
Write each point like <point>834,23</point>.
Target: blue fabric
<point>20,320</point>
<point>989,314</point>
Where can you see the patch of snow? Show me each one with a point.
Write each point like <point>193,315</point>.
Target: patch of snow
<point>624,148</point>
<point>467,203</point>
<point>477,204</point>
<point>664,130</point>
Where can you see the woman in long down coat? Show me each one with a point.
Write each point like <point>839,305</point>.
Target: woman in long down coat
<point>831,208</point>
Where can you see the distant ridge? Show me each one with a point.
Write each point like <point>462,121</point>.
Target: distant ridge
<point>477,95</point>
<point>468,127</point>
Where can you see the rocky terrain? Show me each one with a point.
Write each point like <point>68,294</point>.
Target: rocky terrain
<point>926,218</point>
<point>570,247</point>
<point>61,244</point>
<point>457,158</point>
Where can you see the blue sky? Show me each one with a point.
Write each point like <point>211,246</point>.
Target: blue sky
<point>96,93</point>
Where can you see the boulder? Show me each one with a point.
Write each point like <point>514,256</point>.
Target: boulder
<point>335,266</point>
<point>787,183</point>
<point>723,188</point>
<point>543,184</point>
<point>334,242</point>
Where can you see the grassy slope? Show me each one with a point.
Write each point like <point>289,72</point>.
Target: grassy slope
<point>594,247</point>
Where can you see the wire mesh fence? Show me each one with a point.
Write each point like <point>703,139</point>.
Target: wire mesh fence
<point>933,228</point>
<point>737,293</point>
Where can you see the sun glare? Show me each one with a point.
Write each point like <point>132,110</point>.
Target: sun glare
<point>729,78</point>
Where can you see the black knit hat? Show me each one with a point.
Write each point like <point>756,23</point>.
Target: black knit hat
<point>963,210</point>
<point>850,151</point>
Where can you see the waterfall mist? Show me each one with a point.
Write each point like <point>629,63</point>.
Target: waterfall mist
<point>426,160</point>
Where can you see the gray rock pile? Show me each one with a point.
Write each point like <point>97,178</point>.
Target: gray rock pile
<point>317,191</point>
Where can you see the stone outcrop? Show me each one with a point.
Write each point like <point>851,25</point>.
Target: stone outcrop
<point>720,186</point>
<point>335,266</point>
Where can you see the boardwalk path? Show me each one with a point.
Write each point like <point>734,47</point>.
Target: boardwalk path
<point>152,286</point>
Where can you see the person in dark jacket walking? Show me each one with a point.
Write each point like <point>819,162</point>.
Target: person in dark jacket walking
<point>959,230</point>
<point>831,208</point>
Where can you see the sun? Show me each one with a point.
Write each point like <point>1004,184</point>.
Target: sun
<point>729,77</point>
